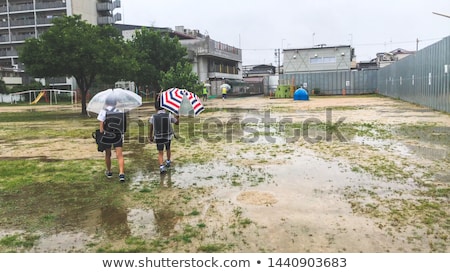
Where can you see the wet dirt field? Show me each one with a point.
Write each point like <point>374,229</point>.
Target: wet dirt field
<point>332,174</point>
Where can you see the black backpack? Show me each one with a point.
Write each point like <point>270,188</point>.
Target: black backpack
<point>115,122</point>
<point>162,126</point>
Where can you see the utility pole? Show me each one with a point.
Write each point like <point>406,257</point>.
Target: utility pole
<point>279,62</point>
<point>277,54</point>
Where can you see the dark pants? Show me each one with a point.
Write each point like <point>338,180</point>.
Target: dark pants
<point>161,143</point>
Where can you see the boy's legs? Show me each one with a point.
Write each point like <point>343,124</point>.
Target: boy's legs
<point>168,150</point>
<point>120,159</point>
<point>108,159</point>
<point>160,147</point>
<point>161,157</point>
<point>108,172</point>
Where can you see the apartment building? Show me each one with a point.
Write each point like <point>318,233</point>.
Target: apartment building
<point>22,19</point>
<point>214,62</point>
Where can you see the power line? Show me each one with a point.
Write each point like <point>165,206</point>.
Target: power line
<point>364,44</point>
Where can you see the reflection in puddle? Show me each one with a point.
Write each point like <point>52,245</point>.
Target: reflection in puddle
<point>401,149</point>
<point>142,223</point>
<point>114,222</point>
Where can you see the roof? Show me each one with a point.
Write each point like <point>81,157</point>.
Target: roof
<point>180,35</point>
<point>401,51</point>
<point>131,27</point>
<point>316,47</point>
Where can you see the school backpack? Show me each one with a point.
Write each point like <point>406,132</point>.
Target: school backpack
<point>162,126</point>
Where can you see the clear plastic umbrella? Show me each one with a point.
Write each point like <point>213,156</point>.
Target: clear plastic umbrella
<point>126,100</point>
<point>225,85</point>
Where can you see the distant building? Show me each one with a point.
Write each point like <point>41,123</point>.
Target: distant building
<point>214,62</point>
<point>258,70</point>
<point>22,19</point>
<point>372,64</point>
<point>318,58</point>
<point>386,58</point>
<point>259,79</point>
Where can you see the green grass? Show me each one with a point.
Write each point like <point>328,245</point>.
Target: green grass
<point>21,172</point>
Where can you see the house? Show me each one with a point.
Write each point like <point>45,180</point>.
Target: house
<point>260,79</point>
<point>386,58</point>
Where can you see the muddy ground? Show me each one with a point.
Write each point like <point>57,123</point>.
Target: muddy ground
<point>254,174</point>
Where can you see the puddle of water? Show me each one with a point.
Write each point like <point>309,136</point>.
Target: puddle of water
<point>63,242</point>
<point>383,144</point>
<point>431,153</point>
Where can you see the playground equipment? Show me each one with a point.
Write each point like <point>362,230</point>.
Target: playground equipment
<point>51,95</point>
<point>41,94</point>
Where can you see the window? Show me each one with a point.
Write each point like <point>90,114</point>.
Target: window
<point>322,60</point>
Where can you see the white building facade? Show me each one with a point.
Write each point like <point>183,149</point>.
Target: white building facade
<point>22,19</point>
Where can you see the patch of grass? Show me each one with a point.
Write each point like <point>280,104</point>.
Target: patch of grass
<point>21,172</point>
<point>18,241</point>
<point>194,213</point>
<point>213,248</point>
<point>245,222</point>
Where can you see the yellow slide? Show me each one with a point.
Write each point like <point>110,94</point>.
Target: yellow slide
<point>41,94</point>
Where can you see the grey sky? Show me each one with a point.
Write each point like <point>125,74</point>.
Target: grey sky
<point>260,27</point>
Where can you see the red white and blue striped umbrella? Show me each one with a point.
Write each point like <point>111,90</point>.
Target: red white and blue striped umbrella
<point>197,105</point>
<point>172,99</point>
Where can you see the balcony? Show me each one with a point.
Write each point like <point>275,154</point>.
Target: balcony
<point>105,20</point>
<point>108,6</point>
<point>44,21</point>
<point>51,5</point>
<point>4,39</point>
<point>21,37</point>
<point>21,7</point>
<point>8,53</point>
<point>24,22</point>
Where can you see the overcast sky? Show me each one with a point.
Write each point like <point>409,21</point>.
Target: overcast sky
<point>259,27</point>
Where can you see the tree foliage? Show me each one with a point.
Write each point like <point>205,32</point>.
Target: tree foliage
<point>155,53</point>
<point>74,48</point>
<point>3,88</point>
<point>181,76</point>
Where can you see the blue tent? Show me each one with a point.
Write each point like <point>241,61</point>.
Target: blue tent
<point>301,94</point>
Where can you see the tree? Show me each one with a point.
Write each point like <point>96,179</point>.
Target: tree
<point>155,53</point>
<point>74,48</point>
<point>3,88</point>
<point>181,76</point>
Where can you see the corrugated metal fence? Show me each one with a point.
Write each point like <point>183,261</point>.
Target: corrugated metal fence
<point>334,82</point>
<point>422,78</point>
